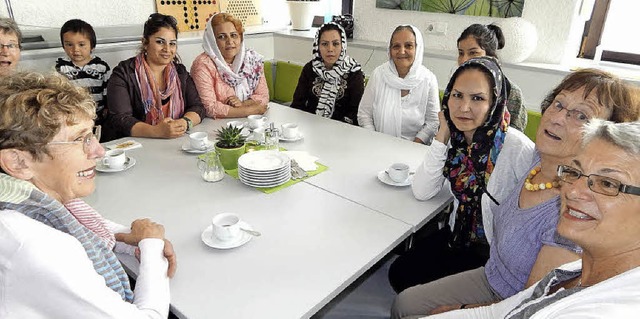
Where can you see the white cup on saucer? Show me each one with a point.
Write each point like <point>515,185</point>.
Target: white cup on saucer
<point>225,227</point>
<point>114,159</point>
<point>398,172</point>
<point>257,120</point>
<point>199,140</point>
<point>238,124</point>
<point>290,131</point>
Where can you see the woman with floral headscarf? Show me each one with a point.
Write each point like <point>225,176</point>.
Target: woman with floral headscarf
<point>401,98</point>
<point>479,159</point>
<point>229,77</point>
<point>330,85</point>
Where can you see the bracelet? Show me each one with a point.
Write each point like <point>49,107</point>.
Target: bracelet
<point>463,306</point>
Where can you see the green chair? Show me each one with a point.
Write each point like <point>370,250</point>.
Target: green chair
<point>287,75</point>
<point>533,121</point>
<point>268,74</point>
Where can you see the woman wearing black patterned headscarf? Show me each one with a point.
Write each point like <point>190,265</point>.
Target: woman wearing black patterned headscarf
<point>476,156</point>
<point>331,85</point>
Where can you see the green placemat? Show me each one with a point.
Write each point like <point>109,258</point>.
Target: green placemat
<point>268,190</point>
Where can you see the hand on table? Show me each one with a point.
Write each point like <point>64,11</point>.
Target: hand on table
<point>170,128</point>
<point>234,101</point>
<point>417,140</point>
<point>141,229</point>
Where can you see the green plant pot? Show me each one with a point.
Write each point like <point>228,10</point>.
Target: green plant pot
<point>229,156</point>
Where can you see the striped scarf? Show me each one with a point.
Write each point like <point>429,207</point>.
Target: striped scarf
<point>89,218</point>
<point>25,198</point>
<point>331,78</point>
<point>152,97</point>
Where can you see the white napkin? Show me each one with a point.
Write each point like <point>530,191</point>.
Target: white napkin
<point>306,161</point>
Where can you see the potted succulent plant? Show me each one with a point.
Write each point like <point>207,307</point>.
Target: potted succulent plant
<point>230,146</point>
<point>302,13</point>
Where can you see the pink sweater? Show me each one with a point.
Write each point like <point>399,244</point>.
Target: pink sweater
<point>214,91</point>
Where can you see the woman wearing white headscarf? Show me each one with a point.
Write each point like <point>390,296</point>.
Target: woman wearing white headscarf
<point>401,98</point>
<point>330,85</point>
<point>230,78</point>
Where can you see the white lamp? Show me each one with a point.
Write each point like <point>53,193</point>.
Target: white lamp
<point>521,39</point>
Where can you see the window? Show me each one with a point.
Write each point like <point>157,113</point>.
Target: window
<point>609,33</point>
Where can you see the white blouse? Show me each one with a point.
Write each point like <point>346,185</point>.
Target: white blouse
<point>419,108</point>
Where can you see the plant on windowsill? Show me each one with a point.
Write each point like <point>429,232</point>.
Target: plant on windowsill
<point>302,13</point>
<point>230,146</point>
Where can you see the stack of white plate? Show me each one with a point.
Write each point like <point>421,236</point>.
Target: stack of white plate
<point>264,168</point>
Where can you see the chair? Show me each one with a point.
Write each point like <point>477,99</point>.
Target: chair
<point>268,74</point>
<point>287,75</point>
<point>533,121</point>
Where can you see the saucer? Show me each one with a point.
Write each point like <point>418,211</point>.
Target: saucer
<point>297,138</point>
<point>106,169</point>
<point>213,242</point>
<point>384,177</point>
<point>186,146</point>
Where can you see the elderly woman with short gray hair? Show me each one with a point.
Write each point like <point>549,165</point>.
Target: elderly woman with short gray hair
<point>600,211</point>
<point>56,253</point>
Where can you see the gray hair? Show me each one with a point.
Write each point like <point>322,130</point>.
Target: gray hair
<point>623,135</point>
<point>8,26</point>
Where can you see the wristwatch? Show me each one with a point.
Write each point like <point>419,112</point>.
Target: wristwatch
<point>189,123</point>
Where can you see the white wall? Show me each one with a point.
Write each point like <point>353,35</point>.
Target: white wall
<point>31,14</point>
<point>556,21</point>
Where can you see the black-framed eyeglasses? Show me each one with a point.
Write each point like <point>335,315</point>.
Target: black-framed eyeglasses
<point>597,183</point>
<point>86,140</point>
<point>576,116</point>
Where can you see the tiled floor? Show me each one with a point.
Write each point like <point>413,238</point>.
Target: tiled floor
<point>369,297</point>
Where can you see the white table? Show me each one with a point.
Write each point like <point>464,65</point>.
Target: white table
<point>355,156</point>
<point>308,253</point>
<point>318,236</point>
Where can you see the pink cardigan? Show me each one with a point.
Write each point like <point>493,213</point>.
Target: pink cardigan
<point>214,91</point>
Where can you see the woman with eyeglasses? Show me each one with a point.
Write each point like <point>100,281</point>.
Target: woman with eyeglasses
<point>152,94</point>
<point>525,246</point>
<point>229,77</point>
<point>600,211</point>
<point>10,45</point>
<point>57,254</point>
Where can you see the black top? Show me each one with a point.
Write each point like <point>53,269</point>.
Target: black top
<point>349,94</point>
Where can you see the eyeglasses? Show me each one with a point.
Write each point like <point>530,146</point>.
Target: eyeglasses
<point>86,140</point>
<point>577,117</point>
<point>597,183</point>
<point>10,46</point>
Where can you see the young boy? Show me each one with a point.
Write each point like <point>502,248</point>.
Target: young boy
<point>80,66</point>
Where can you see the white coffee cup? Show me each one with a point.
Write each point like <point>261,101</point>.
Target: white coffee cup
<point>226,226</point>
<point>256,121</point>
<point>398,172</point>
<point>114,159</point>
<point>290,130</point>
<point>199,140</point>
<point>238,124</point>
